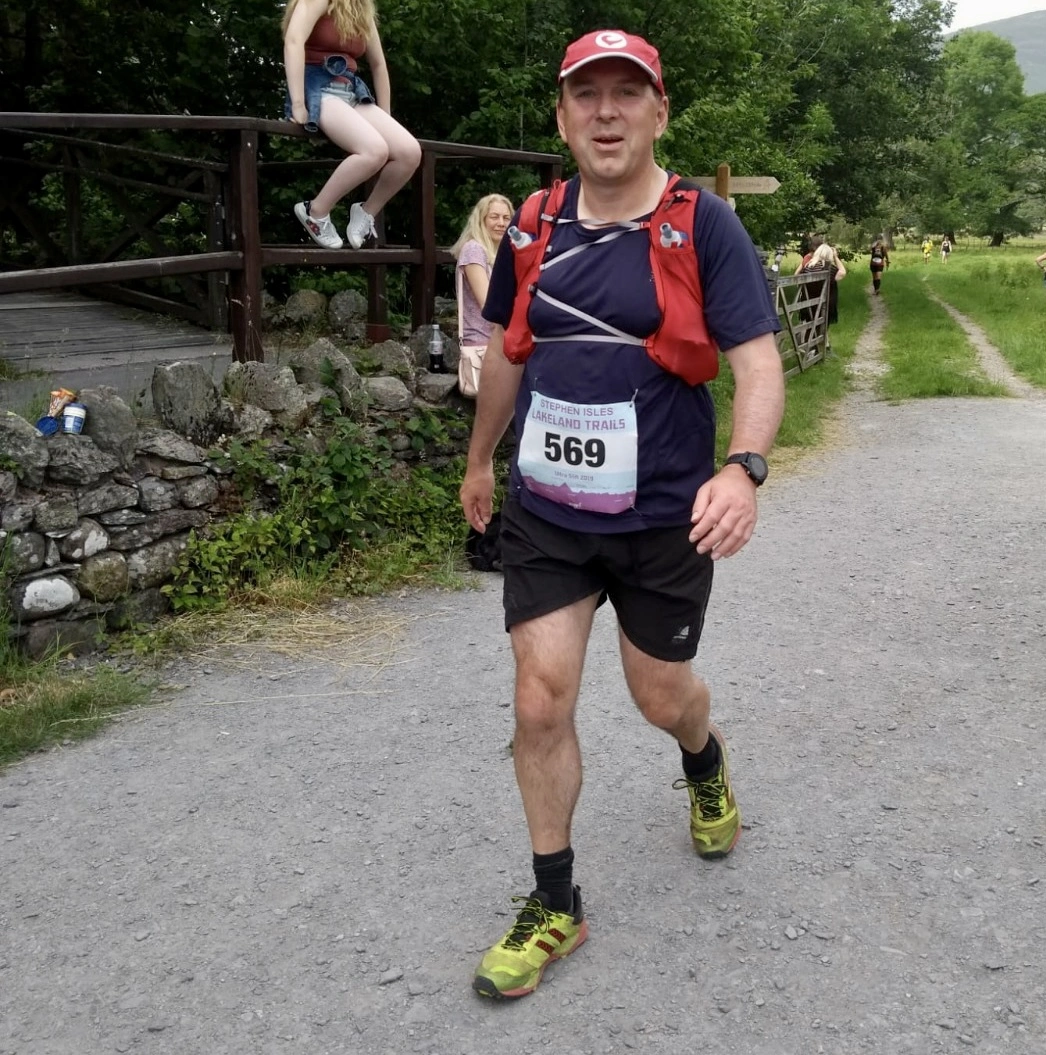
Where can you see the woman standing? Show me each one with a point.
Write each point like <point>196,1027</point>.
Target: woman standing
<point>474,251</point>
<point>826,259</point>
<point>322,42</point>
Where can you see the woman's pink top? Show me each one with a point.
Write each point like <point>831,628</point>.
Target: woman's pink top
<point>324,41</point>
<point>474,328</point>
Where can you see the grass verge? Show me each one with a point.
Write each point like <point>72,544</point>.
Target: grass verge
<point>927,352</point>
<point>41,705</point>
<point>811,396</point>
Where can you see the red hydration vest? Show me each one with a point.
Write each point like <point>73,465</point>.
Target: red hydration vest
<point>682,344</point>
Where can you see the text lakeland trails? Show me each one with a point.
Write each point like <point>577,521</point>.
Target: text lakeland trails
<point>586,424</point>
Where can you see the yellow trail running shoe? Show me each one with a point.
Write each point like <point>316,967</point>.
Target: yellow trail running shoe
<point>715,820</point>
<point>514,966</point>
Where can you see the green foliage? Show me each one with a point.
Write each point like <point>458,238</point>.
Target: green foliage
<point>40,704</point>
<point>309,508</point>
<point>983,170</point>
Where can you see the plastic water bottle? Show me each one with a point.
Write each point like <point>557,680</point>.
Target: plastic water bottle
<point>437,364</point>
<point>520,239</point>
<point>670,237</point>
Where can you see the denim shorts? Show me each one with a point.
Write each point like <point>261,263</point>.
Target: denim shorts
<point>332,78</point>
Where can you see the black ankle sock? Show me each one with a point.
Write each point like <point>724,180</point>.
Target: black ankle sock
<point>554,875</point>
<point>703,764</point>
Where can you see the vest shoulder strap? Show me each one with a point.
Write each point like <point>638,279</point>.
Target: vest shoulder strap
<point>541,204</point>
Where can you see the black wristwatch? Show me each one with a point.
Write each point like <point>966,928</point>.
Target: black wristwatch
<point>752,463</point>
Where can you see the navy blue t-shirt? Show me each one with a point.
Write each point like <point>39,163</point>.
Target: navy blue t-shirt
<point>613,283</point>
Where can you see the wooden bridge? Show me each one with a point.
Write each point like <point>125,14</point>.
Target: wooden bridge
<point>211,277</point>
<point>206,268</point>
<point>67,339</point>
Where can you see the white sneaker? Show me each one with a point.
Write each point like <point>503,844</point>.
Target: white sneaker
<point>322,232</point>
<point>361,226</point>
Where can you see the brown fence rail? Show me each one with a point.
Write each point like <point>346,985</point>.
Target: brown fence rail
<point>219,283</point>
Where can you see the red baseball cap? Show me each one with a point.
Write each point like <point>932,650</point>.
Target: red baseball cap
<point>613,44</point>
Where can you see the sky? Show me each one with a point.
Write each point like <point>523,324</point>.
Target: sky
<point>976,12</point>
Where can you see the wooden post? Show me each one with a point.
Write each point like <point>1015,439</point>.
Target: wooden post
<point>548,174</point>
<point>423,292</point>
<point>73,207</point>
<point>245,285</point>
<point>377,289</point>
<point>722,182</point>
<point>217,281</point>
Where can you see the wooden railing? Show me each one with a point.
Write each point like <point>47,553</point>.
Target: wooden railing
<point>220,280</point>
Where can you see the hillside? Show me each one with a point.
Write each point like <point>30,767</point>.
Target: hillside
<point>1027,33</point>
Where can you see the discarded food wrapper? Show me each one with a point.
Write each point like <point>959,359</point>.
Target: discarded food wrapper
<point>59,398</point>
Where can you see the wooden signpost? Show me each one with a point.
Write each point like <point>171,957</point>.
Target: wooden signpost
<point>726,186</point>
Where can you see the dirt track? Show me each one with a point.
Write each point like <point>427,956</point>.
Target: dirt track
<point>307,853</point>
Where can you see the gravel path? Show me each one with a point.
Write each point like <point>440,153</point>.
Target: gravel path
<point>307,852</point>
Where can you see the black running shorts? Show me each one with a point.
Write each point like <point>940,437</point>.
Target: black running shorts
<point>656,580</point>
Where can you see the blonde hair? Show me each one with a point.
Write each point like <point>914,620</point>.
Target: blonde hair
<point>823,256</point>
<point>475,229</point>
<point>352,18</point>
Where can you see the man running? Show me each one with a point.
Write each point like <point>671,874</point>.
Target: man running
<point>603,339</point>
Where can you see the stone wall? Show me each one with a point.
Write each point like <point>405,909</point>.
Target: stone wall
<point>92,525</point>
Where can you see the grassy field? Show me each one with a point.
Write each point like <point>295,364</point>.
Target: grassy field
<point>1003,292</point>
<point>927,352</point>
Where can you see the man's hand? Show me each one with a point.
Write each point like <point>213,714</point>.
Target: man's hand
<point>724,513</point>
<point>477,496</point>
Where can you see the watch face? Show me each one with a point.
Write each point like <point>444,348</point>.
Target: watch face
<point>757,467</point>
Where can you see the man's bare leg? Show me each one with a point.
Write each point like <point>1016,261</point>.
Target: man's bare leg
<point>550,656</point>
<point>673,698</point>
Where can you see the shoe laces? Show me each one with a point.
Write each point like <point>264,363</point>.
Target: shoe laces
<point>708,795</point>
<point>533,918</point>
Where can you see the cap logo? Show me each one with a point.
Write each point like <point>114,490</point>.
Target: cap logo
<point>610,40</point>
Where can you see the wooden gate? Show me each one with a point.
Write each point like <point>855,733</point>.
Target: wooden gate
<point>802,306</point>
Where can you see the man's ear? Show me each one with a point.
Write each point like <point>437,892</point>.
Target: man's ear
<point>662,117</point>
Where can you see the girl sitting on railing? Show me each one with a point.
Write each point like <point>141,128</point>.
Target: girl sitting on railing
<point>322,41</point>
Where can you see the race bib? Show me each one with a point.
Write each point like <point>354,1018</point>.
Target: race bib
<point>582,455</point>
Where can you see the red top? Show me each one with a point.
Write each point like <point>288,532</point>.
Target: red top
<point>324,41</point>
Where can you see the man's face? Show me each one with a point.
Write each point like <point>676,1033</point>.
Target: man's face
<point>609,115</point>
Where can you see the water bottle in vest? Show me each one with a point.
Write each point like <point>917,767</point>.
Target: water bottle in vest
<point>670,237</point>
<point>520,239</point>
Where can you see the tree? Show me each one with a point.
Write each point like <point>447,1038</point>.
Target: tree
<point>981,171</point>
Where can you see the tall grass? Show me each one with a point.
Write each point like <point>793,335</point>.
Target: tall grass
<point>1003,292</point>
<point>927,352</point>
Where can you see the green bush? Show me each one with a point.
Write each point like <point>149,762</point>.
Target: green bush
<point>310,507</point>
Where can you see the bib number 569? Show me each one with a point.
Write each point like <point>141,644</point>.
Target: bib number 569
<point>592,452</point>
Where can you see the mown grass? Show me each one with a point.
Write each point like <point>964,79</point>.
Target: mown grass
<point>1003,292</point>
<point>927,352</point>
